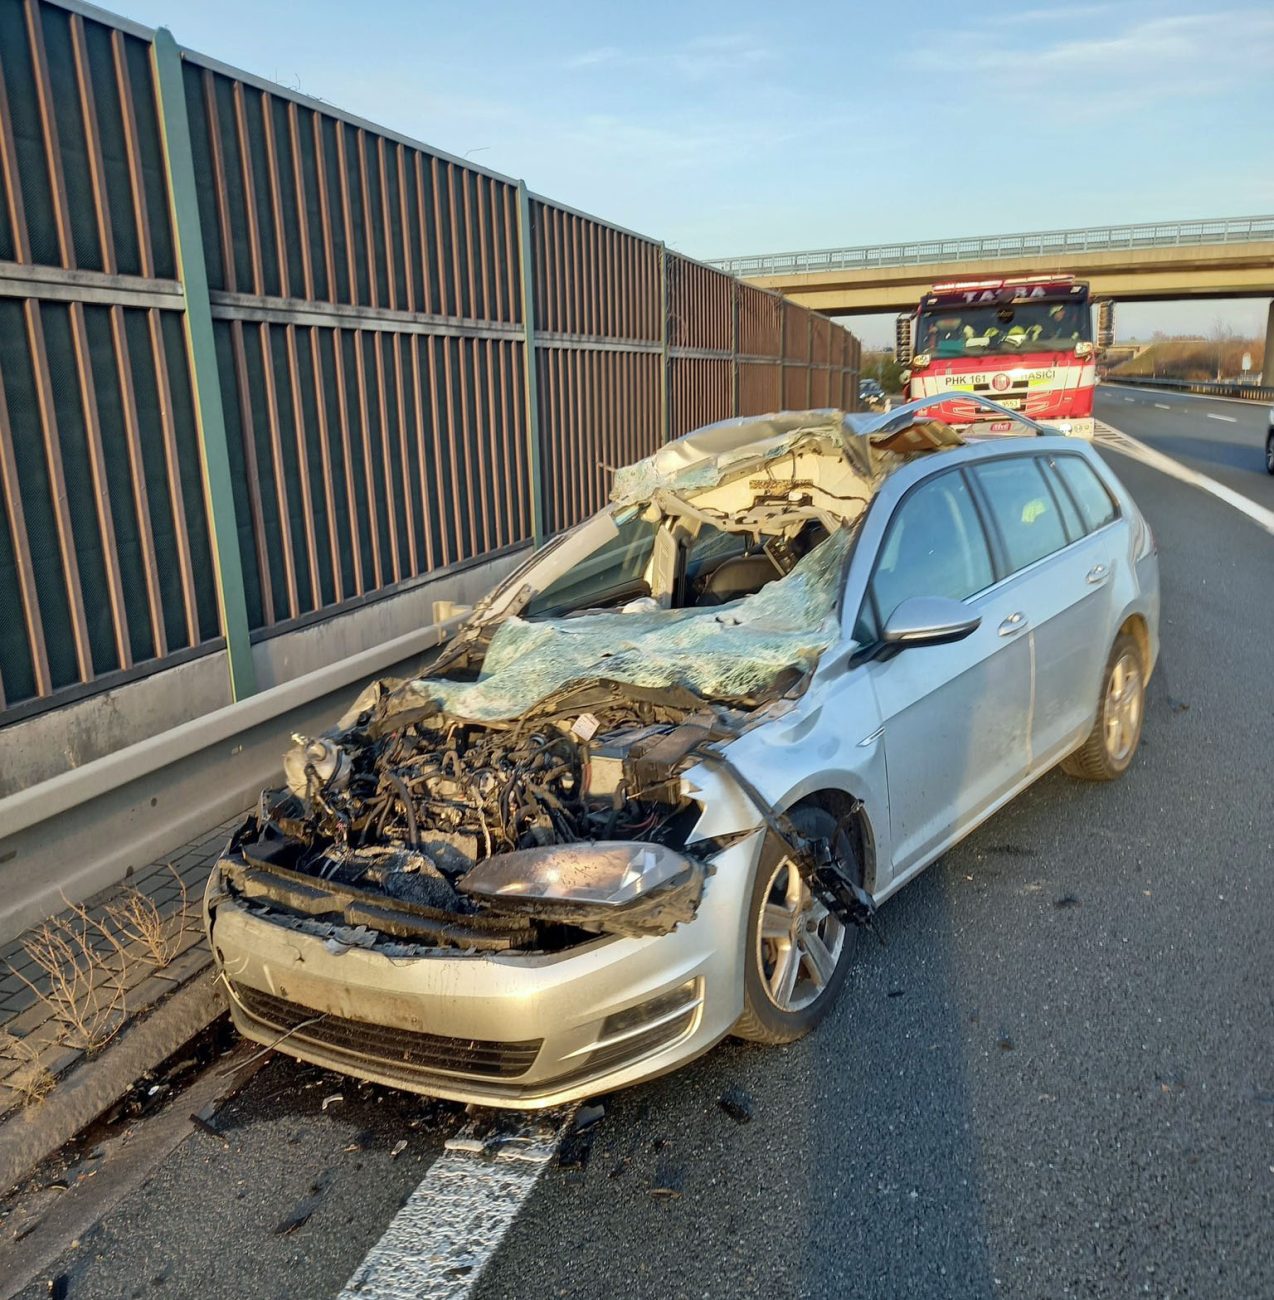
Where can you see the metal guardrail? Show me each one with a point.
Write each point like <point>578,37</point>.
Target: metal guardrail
<point>1202,387</point>
<point>1162,234</point>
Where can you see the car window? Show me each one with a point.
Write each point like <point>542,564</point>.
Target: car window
<point>1093,499</point>
<point>1023,508</point>
<point>1075,526</point>
<point>616,569</point>
<point>935,547</point>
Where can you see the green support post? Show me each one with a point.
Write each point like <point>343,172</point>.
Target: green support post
<point>202,356</point>
<point>665,361</point>
<point>526,269</point>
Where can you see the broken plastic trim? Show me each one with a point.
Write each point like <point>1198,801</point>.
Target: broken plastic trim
<point>843,896</point>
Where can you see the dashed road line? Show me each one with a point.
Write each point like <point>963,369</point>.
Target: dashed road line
<point>437,1245</point>
<point>1162,407</point>
<point>1229,419</point>
<point>1122,442</point>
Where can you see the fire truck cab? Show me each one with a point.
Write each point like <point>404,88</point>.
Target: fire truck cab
<point>1026,344</point>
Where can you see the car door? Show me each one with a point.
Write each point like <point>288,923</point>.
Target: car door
<point>955,717</point>
<point>1060,573</point>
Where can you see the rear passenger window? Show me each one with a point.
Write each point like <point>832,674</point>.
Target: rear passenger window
<point>935,547</point>
<point>1090,493</point>
<point>1075,526</point>
<point>1023,506</point>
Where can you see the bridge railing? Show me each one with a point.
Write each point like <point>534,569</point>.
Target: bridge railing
<point>1224,230</point>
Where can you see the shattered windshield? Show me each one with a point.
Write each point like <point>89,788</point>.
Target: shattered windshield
<point>992,330</point>
<point>729,651</point>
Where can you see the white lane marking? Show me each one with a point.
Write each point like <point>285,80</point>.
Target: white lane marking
<point>1229,419</point>
<point>1162,407</point>
<point>1189,397</point>
<point>1130,399</point>
<point>1119,441</point>
<point>437,1245</point>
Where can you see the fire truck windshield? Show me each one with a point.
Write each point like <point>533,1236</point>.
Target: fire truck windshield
<point>997,329</point>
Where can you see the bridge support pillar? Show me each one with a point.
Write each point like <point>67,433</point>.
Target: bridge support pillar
<point>1267,371</point>
<point>1105,322</point>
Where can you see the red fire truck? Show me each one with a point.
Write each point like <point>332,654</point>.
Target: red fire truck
<point>1026,344</point>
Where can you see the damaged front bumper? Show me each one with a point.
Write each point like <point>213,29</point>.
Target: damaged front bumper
<point>512,1028</point>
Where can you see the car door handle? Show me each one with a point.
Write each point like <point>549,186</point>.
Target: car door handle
<point>1013,624</point>
<point>1098,573</point>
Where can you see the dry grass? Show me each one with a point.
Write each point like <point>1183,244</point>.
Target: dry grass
<point>137,919</point>
<point>86,993</point>
<point>32,1080</point>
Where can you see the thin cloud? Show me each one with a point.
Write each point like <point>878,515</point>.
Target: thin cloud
<point>700,59</point>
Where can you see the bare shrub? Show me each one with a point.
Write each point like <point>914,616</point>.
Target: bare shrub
<point>86,993</point>
<point>137,919</point>
<point>32,1080</point>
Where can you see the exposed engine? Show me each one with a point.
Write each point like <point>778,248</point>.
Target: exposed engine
<point>398,818</point>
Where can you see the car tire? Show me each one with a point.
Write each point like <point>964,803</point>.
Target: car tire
<point>1121,709</point>
<point>768,1016</point>
<point>1269,452</point>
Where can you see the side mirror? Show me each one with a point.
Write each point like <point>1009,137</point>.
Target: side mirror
<point>930,620</point>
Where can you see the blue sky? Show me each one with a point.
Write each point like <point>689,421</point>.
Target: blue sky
<point>739,127</point>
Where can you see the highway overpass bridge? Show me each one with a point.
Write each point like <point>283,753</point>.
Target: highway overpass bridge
<point>1221,258</point>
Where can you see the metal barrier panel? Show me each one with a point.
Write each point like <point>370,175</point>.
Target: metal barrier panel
<point>104,554</point>
<point>261,361</point>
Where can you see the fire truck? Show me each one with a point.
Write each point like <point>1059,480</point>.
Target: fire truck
<point>1026,344</point>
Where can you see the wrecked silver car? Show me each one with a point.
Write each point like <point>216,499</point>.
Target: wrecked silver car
<point>641,800</point>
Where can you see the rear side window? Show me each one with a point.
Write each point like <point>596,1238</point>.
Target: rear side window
<point>1024,509</point>
<point>1090,493</point>
<point>935,547</point>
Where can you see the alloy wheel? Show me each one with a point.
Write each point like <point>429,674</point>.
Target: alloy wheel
<point>799,941</point>
<point>1121,710</point>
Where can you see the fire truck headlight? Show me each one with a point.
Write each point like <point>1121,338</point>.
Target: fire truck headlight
<point>920,361</point>
<point>1083,349</point>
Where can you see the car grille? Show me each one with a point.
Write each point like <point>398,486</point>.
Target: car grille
<point>403,1053</point>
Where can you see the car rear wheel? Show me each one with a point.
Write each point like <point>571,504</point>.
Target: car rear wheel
<point>1269,452</point>
<point>798,953</point>
<point>1121,709</point>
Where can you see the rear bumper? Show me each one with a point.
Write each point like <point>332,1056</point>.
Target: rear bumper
<point>513,1029</point>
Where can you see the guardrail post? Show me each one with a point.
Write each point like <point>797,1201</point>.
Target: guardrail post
<point>665,356</point>
<point>526,271</point>
<point>202,359</point>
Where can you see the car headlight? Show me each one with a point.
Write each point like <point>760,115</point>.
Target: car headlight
<point>609,873</point>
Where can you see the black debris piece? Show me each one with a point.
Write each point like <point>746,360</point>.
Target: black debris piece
<point>737,1104</point>
<point>1066,900</point>
<point>202,1119</point>
<point>895,993</point>
<point>1005,1043</point>
<point>1176,705</point>
<point>587,1116</point>
<point>669,1183</point>
<point>576,1148</point>
<point>305,1207</point>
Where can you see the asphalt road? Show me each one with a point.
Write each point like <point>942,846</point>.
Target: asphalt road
<point>1220,438</point>
<point>1057,1078</point>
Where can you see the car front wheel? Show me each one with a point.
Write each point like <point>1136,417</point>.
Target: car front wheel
<point>1121,708</point>
<point>1269,452</point>
<point>798,953</point>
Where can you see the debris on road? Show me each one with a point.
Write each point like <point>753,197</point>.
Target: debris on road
<point>1066,901</point>
<point>304,1208</point>
<point>737,1104</point>
<point>202,1119</point>
<point>587,1116</point>
<point>669,1182</point>
<point>332,1100</point>
<point>399,1147</point>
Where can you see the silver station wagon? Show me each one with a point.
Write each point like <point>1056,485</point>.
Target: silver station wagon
<point>657,785</point>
